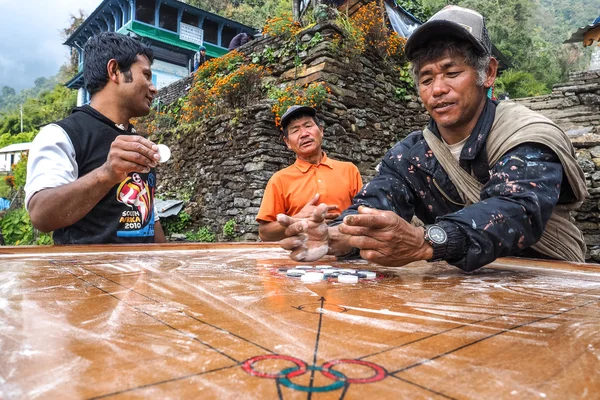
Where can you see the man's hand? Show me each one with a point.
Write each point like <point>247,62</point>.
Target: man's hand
<point>307,238</point>
<point>129,153</point>
<point>309,208</point>
<point>385,238</point>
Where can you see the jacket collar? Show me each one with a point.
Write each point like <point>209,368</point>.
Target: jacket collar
<point>304,166</point>
<point>476,141</point>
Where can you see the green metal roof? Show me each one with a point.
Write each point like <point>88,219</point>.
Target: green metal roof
<point>160,35</point>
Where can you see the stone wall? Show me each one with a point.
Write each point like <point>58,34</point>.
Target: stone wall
<point>222,166</point>
<point>574,106</point>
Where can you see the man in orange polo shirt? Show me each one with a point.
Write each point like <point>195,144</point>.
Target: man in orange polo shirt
<point>313,179</point>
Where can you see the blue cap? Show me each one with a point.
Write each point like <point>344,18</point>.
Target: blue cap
<point>202,48</point>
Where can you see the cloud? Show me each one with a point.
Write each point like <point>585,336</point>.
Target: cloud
<point>31,44</point>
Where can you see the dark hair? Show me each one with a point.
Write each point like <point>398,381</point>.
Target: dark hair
<point>451,47</point>
<point>105,46</point>
<point>298,116</point>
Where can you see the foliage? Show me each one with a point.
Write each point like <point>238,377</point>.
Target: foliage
<point>312,95</point>
<point>20,172</point>
<point>159,118</point>
<point>176,223</point>
<point>46,107</point>
<point>367,28</point>
<point>17,230</point>
<point>406,79</point>
<point>75,21</point>
<point>7,139</point>
<point>204,234</point>
<point>229,229</point>
<point>416,8</point>
<point>519,84</point>
<point>282,25</point>
<point>16,227</point>
<point>353,44</point>
<point>6,188</point>
<point>222,84</point>
<point>250,12</point>
<point>9,180</point>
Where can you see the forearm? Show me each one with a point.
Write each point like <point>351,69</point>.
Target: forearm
<point>159,234</point>
<point>271,231</point>
<point>55,208</point>
<point>514,209</point>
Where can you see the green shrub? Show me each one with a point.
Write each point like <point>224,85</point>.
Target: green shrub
<point>519,84</point>
<point>20,172</point>
<point>5,189</point>
<point>204,234</point>
<point>229,229</point>
<point>176,223</point>
<point>17,228</point>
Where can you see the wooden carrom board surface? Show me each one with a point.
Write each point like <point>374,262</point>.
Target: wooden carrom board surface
<point>221,322</point>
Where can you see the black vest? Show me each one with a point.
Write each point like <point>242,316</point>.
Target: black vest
<point>126,213</point>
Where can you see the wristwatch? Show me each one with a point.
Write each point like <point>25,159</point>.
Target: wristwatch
<point>437,237</point>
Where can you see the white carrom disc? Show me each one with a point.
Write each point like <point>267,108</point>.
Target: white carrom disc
<point>164,152</point>
<point>348,279</point>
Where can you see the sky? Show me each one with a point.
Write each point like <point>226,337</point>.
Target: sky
<point>30,42</point>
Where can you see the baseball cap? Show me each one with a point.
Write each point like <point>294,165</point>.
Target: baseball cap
<point>295,110</point>
<point>456,21</point>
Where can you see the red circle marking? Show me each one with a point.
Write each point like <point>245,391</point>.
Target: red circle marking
<point>380,372</point>
<point>248,366</point>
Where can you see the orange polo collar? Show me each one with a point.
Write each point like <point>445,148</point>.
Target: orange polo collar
<point>304,166</point>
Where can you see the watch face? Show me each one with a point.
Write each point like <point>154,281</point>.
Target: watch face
<point>436,234</point>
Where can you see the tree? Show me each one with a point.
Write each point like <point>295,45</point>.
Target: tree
<point>72,66</point>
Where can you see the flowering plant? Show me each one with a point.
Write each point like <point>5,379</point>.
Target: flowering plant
<point>283,25</point>
<point>313,95</point>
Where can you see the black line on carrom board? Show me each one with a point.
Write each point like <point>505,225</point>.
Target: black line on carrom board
<point>162,382</point>
<point>279,394</point>
<point>346,386</point>
<point>157,319</point>
<point>312,372</point>
<point>423,387</point>
<point>181,311</point>
<point>473,323</point>
<point>493,335</point>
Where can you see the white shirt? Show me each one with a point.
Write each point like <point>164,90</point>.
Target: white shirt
<point>456,148</point>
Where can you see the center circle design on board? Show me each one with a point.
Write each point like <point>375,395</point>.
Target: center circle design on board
<point>380,372</point>
<point>292,372</point>
<point>339,381</point>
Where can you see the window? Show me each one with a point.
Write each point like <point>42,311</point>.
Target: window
<point>227,34</point>
<point>211,31</point>
<point>144,11</point>
<point>167,16</point>
<point>190,19</point>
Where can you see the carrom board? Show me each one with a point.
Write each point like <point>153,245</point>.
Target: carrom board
<point>224,322</point>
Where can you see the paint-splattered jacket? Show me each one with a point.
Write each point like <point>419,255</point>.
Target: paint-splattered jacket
<point>530,177</point>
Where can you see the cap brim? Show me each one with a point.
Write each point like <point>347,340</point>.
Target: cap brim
<point>301,109</point>
<point>434,29</point>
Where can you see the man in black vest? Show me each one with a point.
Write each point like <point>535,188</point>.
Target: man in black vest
<point>90,177</point>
